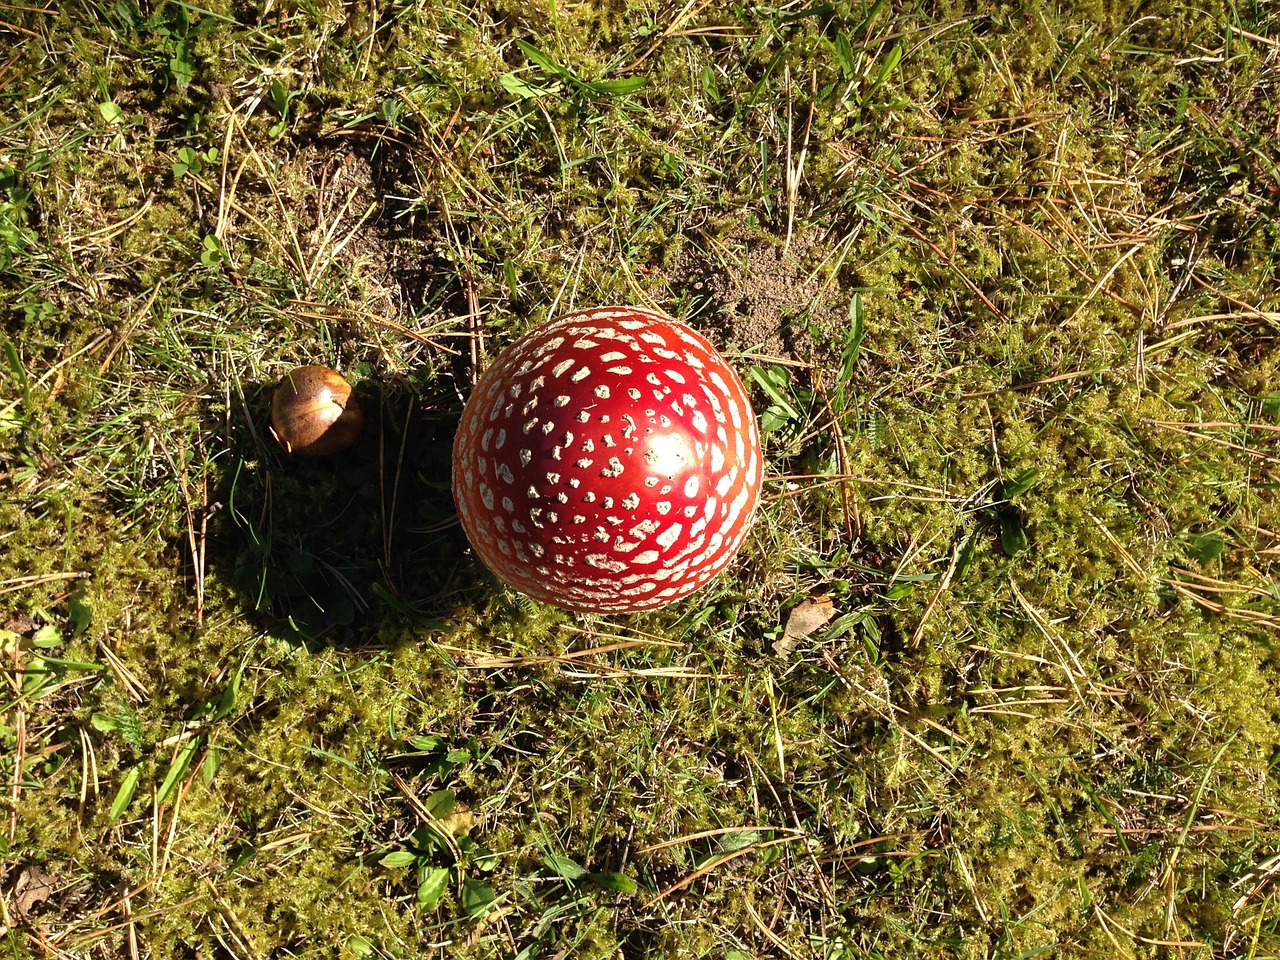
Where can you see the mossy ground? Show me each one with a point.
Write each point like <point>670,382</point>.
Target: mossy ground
<point>1023,412</point>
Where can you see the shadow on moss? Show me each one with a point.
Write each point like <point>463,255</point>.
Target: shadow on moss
<point>338,549</point>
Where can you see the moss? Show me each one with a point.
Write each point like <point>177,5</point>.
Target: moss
<point>1026,738</point>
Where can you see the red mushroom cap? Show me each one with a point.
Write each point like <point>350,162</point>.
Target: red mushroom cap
<point>608,461</point>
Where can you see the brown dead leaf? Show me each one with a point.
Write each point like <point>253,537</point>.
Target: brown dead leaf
<point>32,888</point>
<point>805,618</point>
<point>21,624</point>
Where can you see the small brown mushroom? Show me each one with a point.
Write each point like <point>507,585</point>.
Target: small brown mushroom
<point>313,413</point>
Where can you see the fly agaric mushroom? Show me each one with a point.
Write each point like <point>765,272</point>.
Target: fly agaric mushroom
<point>609,461</point>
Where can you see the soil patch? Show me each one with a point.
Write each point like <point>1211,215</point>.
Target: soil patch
<point>757,295</point>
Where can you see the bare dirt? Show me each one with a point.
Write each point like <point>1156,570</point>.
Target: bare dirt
<point>750,290</point>
<point>758,296</point>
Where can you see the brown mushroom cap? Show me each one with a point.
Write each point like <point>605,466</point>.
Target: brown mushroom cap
<point>313,413</point>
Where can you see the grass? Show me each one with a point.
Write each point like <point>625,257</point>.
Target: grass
<point>1002,281</point>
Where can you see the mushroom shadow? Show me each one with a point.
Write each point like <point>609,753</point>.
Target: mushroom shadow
<point>348,548</point>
